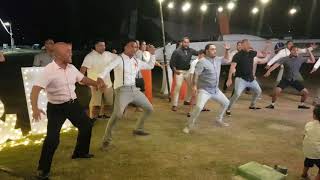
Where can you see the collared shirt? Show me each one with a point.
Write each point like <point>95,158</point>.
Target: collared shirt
<point>143,55</point>
<point>311,140</point>
<point>59,83</point>
<point>96,63</point>
<point>42,59</point>
<point>292,67</point>
<point>130,70</point>
<point>208,70</point>
<point>244,68</point>
<point>284,53</point>
<point>181,58</point>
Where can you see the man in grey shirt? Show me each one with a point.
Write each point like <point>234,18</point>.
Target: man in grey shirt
<point>292,65</point>
<point>206,84</point>
<point>44,58</point>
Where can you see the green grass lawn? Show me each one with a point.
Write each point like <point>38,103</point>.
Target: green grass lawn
<point>266,136</point>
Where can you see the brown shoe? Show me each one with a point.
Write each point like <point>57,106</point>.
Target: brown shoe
<point>174,108</point>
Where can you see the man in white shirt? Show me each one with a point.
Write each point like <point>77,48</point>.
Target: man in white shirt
<point>284,53</point>
<point>44,58</point>
<point>126,67</point>
<point>58,80</point>
<point>314,69</point>
<point>94,64</point>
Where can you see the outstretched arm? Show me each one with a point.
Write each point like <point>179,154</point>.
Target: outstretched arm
<point>316,66</point>
<point>311,59</point>
<point>275,66</point>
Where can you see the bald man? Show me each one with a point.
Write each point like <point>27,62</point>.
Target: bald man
<point>58,80</point>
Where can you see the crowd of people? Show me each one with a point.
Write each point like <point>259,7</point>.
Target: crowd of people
<point>132,84</point>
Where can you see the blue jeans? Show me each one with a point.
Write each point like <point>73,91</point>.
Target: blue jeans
<point>202,98</point>
<point>240,85</point>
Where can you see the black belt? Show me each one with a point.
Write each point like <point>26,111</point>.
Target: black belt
<point>71,101</point>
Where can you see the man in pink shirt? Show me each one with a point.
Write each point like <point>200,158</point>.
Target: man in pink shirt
<point>58,80</point>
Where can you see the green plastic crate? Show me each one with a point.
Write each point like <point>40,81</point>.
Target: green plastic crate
<point>256,171</point>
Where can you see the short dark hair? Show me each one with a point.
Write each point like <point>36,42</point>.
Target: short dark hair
<point>292,47</point>
<point>98,40</point>
<point>290,41</point>
<point>128,41</point>
<point>208,46</point>
<point>186,37</point>
<point>142,41</point>
<point>201,51</point>
<point>316,112</point>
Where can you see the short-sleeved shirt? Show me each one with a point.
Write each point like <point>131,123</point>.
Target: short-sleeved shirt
<point>96,63</point>
<point>42,59</point>
<point>181,58</point>
<point>244,68</point>
<point>311,140</point>
<point>59,83</point>
<point>208,70</point>
<point>292,67</point>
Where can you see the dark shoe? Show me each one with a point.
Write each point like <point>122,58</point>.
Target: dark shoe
<point>270,106</point>
<point>186,103</point>
<point>254,108</point>
<point>174,108</point>
<point>303,107</point>
<point>82,156</point>
<point>42,176</point>
<point>205,109</point>
<point>140,133</point>
<point>228,113</point>
<point>189,115</point>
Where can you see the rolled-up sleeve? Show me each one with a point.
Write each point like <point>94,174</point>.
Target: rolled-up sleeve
<point>110,66</point>
<point>317,64</point>
<point>199,68</point>
<point>281,54</point>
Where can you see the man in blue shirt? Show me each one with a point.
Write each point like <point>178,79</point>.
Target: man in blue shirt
<point>206,84</point>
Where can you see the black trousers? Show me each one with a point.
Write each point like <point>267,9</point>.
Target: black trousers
<point>57,115</point>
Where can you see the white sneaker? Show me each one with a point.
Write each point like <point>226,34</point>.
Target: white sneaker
<point>221,123</point>
<point>186,130</point>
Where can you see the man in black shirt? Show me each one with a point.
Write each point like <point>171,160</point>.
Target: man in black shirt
<point>242,64</point>
<point>180,64</point>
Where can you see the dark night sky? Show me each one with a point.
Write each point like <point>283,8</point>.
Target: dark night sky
<point>81,20</point>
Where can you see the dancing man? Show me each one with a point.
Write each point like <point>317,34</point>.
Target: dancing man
<point>292,65</point>
<point>126,67</point>
<point>243,63</point>
<point>314,69</point>
<point>58,80</point>
<point>206,80</point>
<point>180,64</point>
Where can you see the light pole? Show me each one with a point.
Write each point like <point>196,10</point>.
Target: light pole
<point>164,49</point>
<point>5,24</point>
<point>10,33</point>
